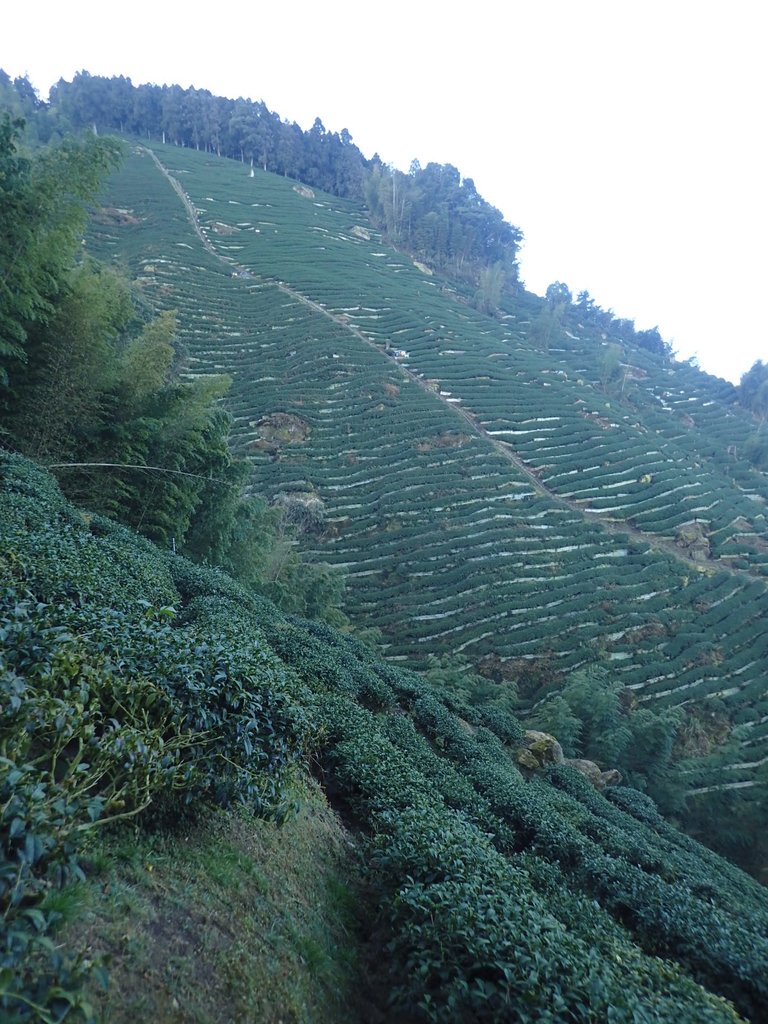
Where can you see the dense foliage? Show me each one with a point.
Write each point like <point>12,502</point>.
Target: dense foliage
<point>89,379</point>
<point>753,395</point>
<point>110,707</point>
<point>589,312</point>
<point>44,211</point>
<point>595,717</point>
<point>137,684</point>
<point>441,219</point>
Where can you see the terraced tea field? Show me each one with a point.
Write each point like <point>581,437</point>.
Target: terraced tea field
<point>662,454</point>
<point>483,496</point>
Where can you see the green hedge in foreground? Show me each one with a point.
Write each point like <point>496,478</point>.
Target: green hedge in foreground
<point>492,897</point>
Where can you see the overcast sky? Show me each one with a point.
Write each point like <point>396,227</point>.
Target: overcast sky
<point>625,137</point>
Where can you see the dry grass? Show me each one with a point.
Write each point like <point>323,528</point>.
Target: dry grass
<point>232,921</point>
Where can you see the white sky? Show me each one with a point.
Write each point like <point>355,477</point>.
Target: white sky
<point>627,138</point>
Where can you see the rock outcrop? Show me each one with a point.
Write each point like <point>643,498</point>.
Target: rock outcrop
<point>594,773</point>
<point>692,538</point>
<point>540,748</point>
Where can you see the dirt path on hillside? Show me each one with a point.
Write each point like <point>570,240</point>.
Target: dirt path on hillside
<point>187,202</point>
<point>662,545</point>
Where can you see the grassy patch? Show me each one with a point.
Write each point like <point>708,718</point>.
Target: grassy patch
<point>230,920</point>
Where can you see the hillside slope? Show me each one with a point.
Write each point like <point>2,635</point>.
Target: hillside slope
<point>488,497</point>
<point>493,895</point>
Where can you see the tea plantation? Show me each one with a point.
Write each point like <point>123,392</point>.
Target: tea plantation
<point>139,688</point>
<point>486,496</point>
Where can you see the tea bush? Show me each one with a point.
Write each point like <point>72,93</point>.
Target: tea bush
<point>492,896</point>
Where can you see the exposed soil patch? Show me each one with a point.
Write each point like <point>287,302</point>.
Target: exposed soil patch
<point>115,216</point>
<point>278,429</point>
<point>705,728</point>
<point>445,439</point>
